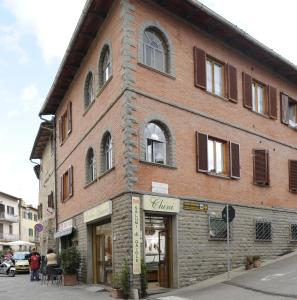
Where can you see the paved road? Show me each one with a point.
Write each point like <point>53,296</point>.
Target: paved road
<point>276,281</point>
<point>20,287</point>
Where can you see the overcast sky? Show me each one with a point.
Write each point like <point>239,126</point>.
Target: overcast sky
<point>33,37</point>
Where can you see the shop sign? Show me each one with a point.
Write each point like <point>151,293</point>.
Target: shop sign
<point>98,212</point>
<point>136,235</point>
<point>163,204</point>
<point>190,205</point>
<point>65,225</point>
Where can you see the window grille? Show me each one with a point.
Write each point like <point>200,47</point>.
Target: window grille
<point>218,229</point>
<point>263,231</point>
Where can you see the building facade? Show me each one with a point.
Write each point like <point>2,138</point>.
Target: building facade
<point>43,150</point>
<point>164,114</point>
<point>9,219</point>
<point>27,221</point>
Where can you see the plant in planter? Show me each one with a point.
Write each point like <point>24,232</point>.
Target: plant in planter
<point>249,262</point>
<point>125,280</point>
<point>116,291</point>
<point>143,279</point>
<point>70,261</point>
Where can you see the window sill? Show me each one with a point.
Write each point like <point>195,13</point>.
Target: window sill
<point>292,241</point>
<point>156,70</point>
<point>158,165</point>
<point>66,199</point>
<point>89,107</point>
<point>260,114</point>
<point>106,172</point>
<point>217,96</point>
<point>66,138</point>
<point>90,183</point>
<point>218,175</point>
<point>261,185</point>
<point>265,241</point>
<point>102,88</point>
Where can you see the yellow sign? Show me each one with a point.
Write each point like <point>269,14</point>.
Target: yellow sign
<point>136,235</point>
<point>195,206</point>
<point>164,204</point>
<point>98,212</point>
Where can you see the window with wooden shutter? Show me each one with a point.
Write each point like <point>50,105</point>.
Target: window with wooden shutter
<point>231,75</point>
<point>201,148</point>
<point>200,68</point>
<point>284,108</point>
<point>69,117</point>
<point>234,161</point>
<point>70,178</point>
<point>293,176</point>
<point>261,167</point>
<point>62,188</point>
<point>247,90</point>
<point>272,102</point>
<point>60,132</point>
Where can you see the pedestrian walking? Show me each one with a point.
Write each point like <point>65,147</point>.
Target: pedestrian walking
<point>34,262</point>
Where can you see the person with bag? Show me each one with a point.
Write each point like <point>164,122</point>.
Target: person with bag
<point>34,261</point>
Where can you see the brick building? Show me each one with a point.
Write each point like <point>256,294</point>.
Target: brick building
<point>164,113</point>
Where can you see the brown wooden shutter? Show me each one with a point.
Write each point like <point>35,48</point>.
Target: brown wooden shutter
<point>272,102</point>
<point>70,179</point>
<point>201,150</point>
<point>234,161</point>
<point>247,90</point>
<point>69,117</point>
<point>293,176</point>
<point>284,108</point>
<point>231,75</point>
<point>60,131</point>
<point>261,167</point>
<point>62,188</point>
<point>200,68</point>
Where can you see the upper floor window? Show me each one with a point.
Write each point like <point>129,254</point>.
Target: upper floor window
<point>50,200</point>
<point>259,97</point>
<point>214,157</point>
<point>261,167</point>
<point>10,229</point>
<point>107,152</point>
<point>288,111</point>
<point>31,232</point>
<point>10,210</point>
<point>156,144</point>
<point>104,65</point>
<point>215,77</point>
<point>155,50</point>
<point>66,187</point>
<point>40,211</point>
<point>88,94</point>
<point>30,215</point>
<point>65,124</point>
<point>90,166</point>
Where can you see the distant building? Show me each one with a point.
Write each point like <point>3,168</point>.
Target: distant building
<point>9,218</point>
<point>27,222</point>
<point>43,150</point>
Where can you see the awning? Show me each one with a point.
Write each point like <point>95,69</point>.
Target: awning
<point>64,232</point>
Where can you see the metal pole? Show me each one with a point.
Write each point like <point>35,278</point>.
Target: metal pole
<point>228,243</point>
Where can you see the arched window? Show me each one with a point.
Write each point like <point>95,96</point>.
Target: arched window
<point>104,65</point>
<point>89,94</point>
<point>90,166</point>
<point>155,50</point>
<point>156,143</point>
<point>107,152</point>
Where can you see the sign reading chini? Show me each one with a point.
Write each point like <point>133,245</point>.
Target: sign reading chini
<point>164,204</point>
<point>136,235</point>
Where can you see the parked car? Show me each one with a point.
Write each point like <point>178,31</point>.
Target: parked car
<point>21,262</point>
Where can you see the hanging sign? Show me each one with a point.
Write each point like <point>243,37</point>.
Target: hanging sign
<point>136,235</point>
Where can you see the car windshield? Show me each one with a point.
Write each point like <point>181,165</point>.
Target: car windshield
<point>20,255</point>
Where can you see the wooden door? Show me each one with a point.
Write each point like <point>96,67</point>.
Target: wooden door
<point>163,259</point>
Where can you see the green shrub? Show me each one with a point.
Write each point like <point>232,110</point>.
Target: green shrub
<point>125,280</point>
<point>70,260</point>
<point>143,279</point>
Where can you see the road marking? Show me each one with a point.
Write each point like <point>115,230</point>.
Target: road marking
<point>269,277</point>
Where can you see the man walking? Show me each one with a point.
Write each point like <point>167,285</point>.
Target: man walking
<point>34,262</point>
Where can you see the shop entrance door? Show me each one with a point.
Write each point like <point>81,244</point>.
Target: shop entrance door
<point>158,250</point>
<point>102,253</point>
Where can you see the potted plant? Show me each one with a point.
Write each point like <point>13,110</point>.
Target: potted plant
<point>116,291</point>
<point>70,260</point>
<point>125,280</point>
<point>256,261</point>
<point>143,279</point>
<point>249,262</point>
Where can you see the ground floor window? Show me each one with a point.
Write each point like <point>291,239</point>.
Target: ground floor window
<point>263,231</point>
<point>217,229</point>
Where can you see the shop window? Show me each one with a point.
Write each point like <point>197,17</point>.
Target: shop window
<point>217,229</point>
<point>217,157</point>
<point>88,90</point>
<point>67,184</point>
<point>65,124</point>
<point>155,50</point>
<point>156,143</point>
<point>293,232</point>
<point>90,166</point>
<point>263,231</point>
<point>215,77</point>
